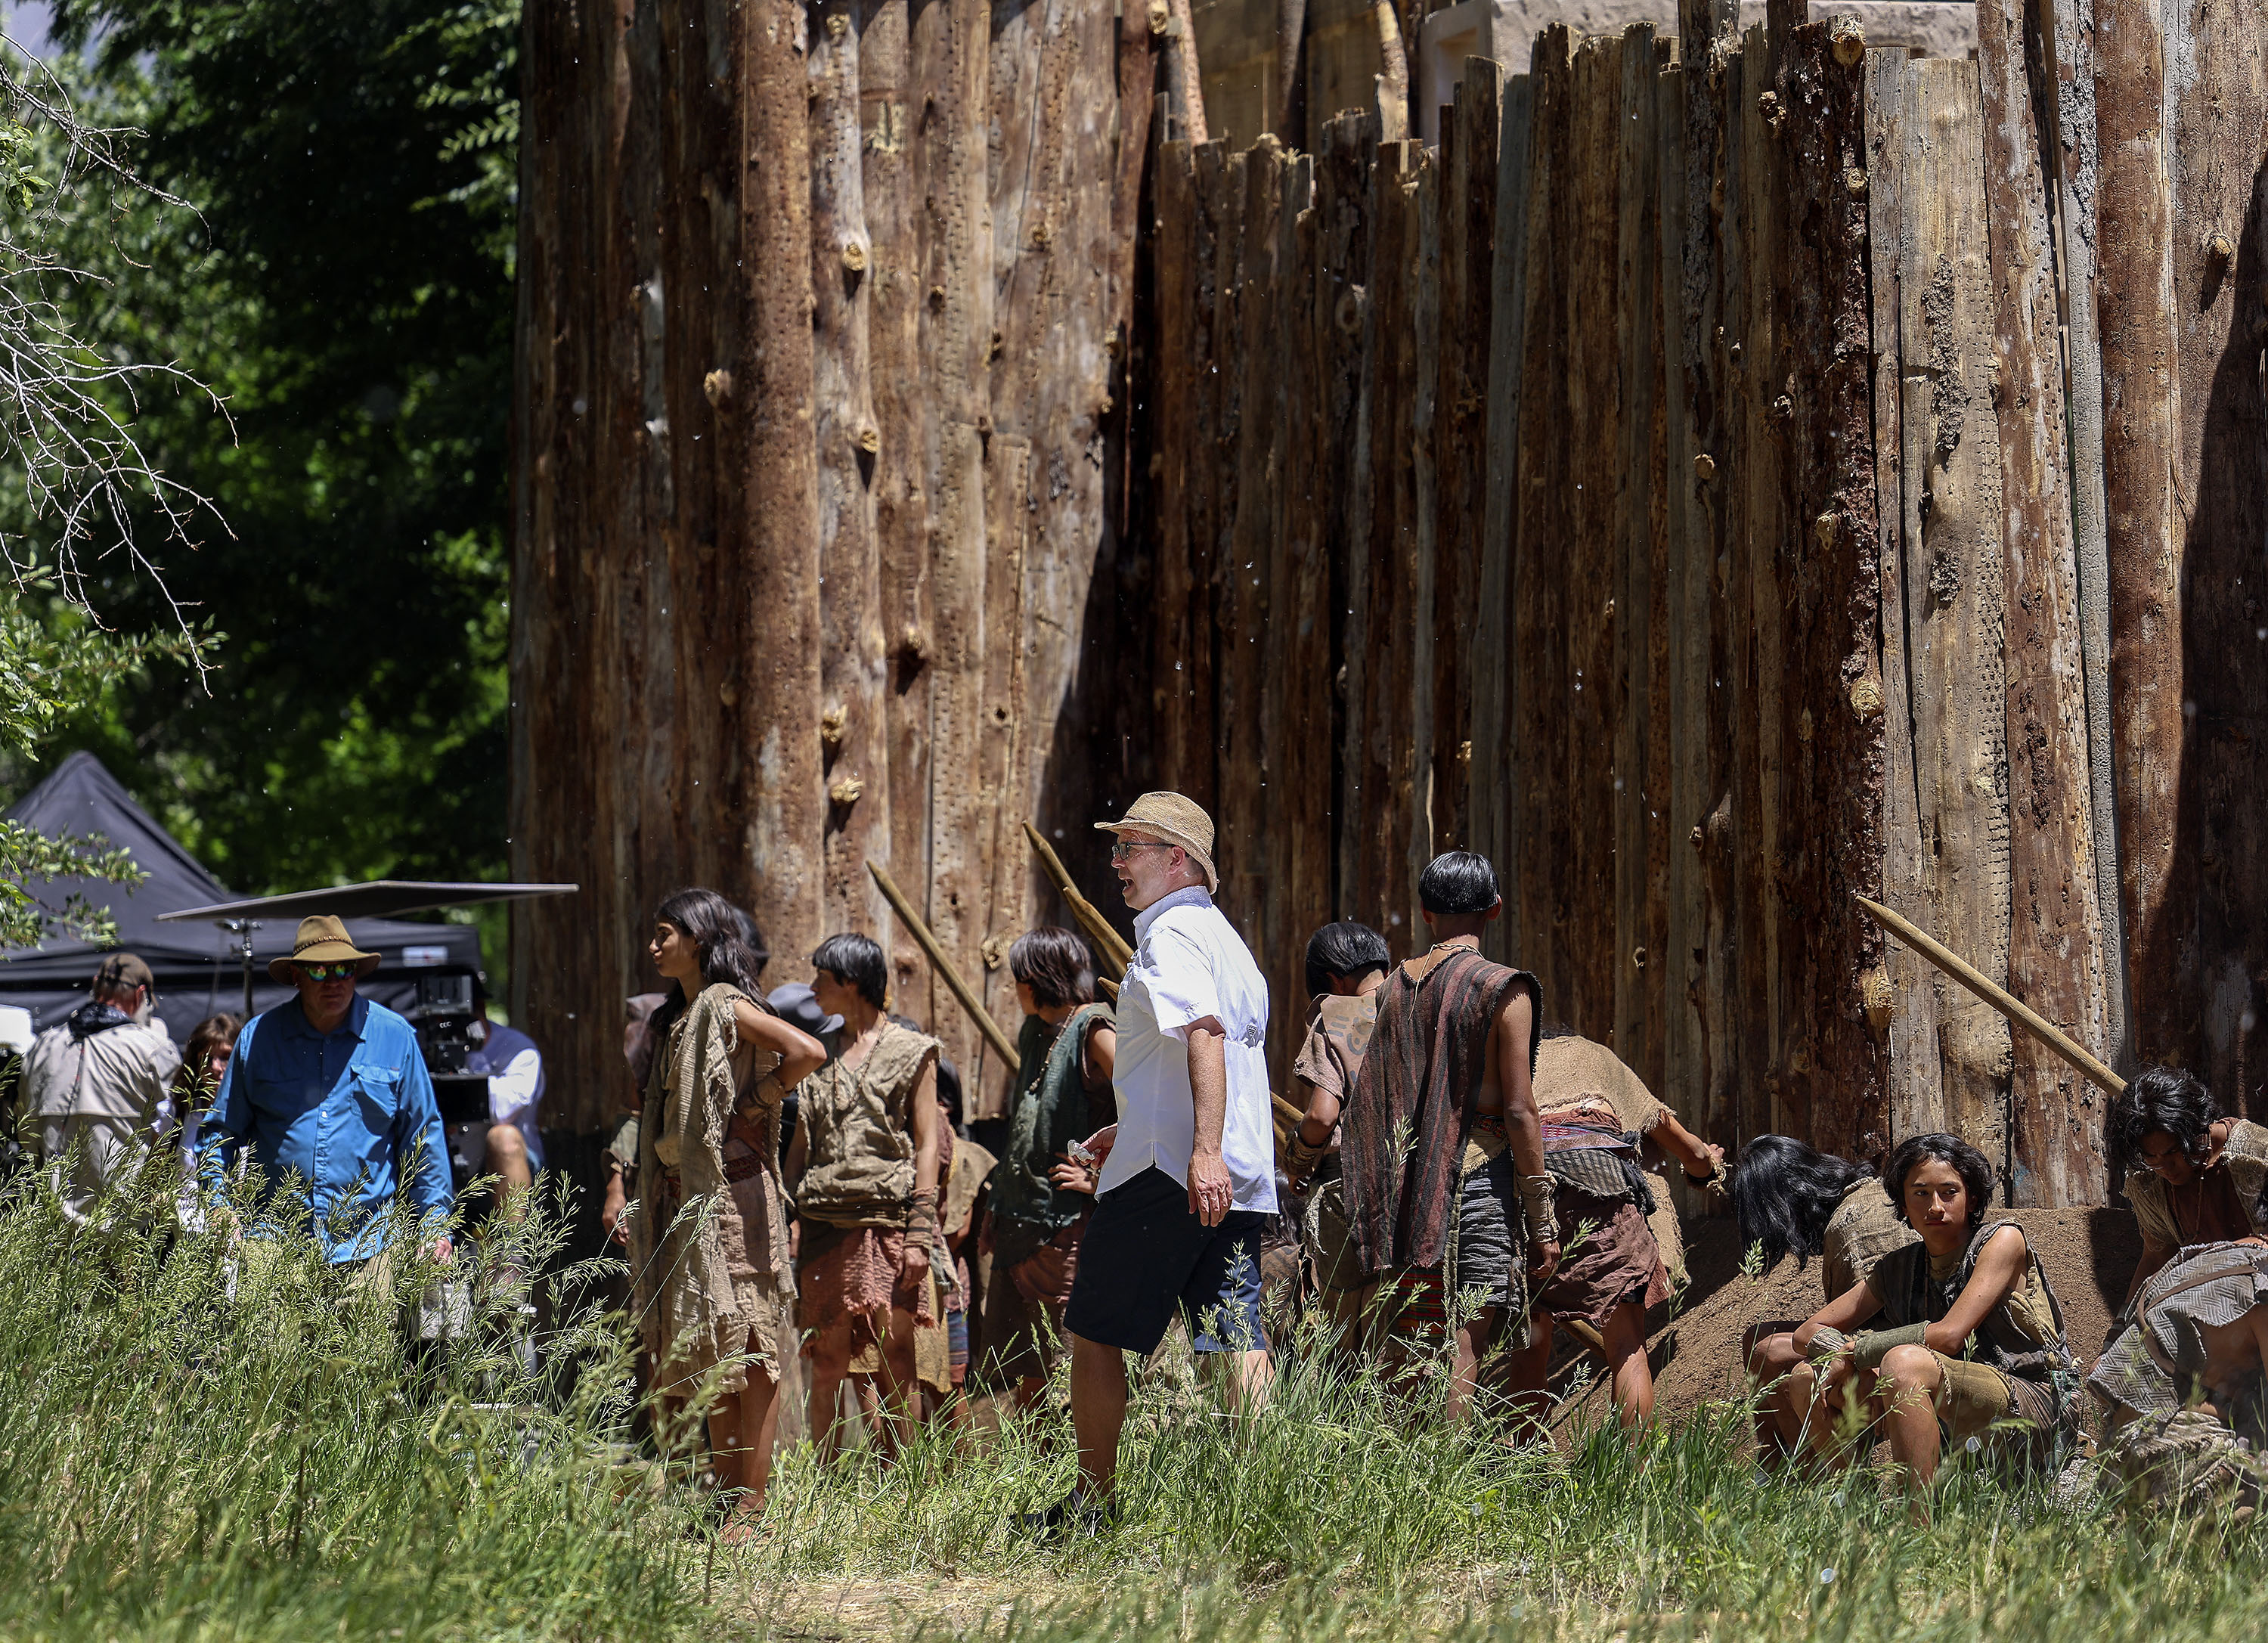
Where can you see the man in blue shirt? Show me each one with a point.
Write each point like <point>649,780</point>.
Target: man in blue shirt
<point>331,1089</point>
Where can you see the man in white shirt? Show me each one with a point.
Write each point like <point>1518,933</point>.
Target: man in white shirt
<point>1188,1171</point>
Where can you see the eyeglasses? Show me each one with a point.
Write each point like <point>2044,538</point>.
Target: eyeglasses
<point>1126,847</point>
<point>327,972</point>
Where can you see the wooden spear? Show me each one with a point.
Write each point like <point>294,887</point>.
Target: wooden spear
<point>2000,998</point>
<point>1001,1044</point>
<point>1109,941</point>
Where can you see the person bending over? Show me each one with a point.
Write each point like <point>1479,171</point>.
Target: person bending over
<point>710,1254</point>
<point>1065,1057</point>
<point>865,1167</point>
<point>1598,1118</point>
<point>2192,1175</point>
<point>1449,1201</point>
<point>1346,971</point>
<point>1789,1198</point>
<point>1970,1344</point>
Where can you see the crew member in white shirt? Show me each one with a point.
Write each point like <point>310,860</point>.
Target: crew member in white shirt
<point>1188,1171</point>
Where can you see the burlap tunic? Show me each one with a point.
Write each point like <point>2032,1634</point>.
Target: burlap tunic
<point>709,1248</point>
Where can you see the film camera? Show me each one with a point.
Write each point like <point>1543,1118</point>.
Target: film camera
<point>450,1028</point>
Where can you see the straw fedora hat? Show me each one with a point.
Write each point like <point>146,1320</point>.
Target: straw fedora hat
<point>1176,820</point>
<point>322,939</point>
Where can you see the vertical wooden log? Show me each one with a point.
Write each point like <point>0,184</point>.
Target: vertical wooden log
<point>1384,752</point>
<point>1635,952</point>
<point>1138,86</point>
<point>951,75</point>
<point>1054,176</point>
<point>1247,595</point>
<point>1296,806</point>
<point>1916,1078</point>
<point>1184,277</point>
<point>1595,410</point>
<point>1343,258</point>
<point>900,408</point>
<point>1540,717</point>
<point>1955,584</point>
<point>1689,689</point>
<point>782,795</point>
<point>1496,763</point>
<point>1830,845</point>
<point>1736,940</point>
<point>1460,429</point>
<point>2216,63</point>
<point>1225,366</point>
<point>846,443</point>
<point>1759,558</point>
<point>2067,46</point>
<point>2055,957</point>
<point>1424,638</point>
<point>2135,302</point>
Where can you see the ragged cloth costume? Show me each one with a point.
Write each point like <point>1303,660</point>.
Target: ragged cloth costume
<point>2152,1374</point>
<point>1330,1059</point>
<point>714,1285</point>
<point>2015,1387</point>
<point>1431,1196</point>
<point>1036,1224</point>
<point>1614,1216</point>
<point>860,1210</point>
<point>2220,1203</point>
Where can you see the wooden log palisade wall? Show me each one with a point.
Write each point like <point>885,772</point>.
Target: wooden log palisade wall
<point>1718,479</point>
<point>1688,484</point>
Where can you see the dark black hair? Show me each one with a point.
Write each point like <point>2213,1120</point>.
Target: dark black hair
<point>858,959</point>
<point>718,932</point>
<point>1457,883</point>
<point>1343,951</point>
<point>1784,1192</point>
<point>754,940</point>
<point>1915,1150</point>
<point>2168,1101</point>
<point>1550,1030</point>
<point>1055,964</point>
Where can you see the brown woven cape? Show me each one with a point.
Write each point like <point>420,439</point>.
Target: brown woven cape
<point>1405,1127</point>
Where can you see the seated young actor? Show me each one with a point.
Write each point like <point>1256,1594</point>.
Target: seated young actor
<point>1789,1198</point>
<point>2193,1176</point>
<point>1346,971</point>
<point>1597,1115</point>
<point>1969,1342</point>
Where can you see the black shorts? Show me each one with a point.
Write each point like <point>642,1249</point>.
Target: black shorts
<point>1145,1257</point>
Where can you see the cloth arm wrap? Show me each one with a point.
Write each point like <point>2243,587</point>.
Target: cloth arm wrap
<point>1870,1348</point>
<point>921,1218</point>
<point>1825,1342</point>
<point>1302,1156</point>
<point>1536,1194</point>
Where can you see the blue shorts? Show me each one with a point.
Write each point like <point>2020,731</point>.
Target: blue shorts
<point>1145,1257</point>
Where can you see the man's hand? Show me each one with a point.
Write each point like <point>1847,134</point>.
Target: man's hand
<point>915,1264</point>
<point>1542,1262</point>
<point>610,1217</point>
<point>1100,1143</point>
<point>1212,1193</point>
<point>1073,1176</point>
<point>441,1252</point>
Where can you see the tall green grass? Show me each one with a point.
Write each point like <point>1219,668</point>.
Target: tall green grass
<point>179,1461</point>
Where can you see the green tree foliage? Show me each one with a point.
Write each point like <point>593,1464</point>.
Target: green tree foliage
<point>345,287</point>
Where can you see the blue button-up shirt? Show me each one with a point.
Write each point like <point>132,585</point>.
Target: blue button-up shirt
<point>347,1112</point>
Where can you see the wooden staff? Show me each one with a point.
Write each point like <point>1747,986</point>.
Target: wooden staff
<point>1002,1045</point>
<point>1111,945</point>
<point>2000,998</point>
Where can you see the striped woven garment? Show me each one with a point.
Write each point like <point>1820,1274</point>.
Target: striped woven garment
<point>1406,1124</point>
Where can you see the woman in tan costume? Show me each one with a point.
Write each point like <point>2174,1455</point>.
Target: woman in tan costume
<point>869,1151</point>
<point>709,1254</point>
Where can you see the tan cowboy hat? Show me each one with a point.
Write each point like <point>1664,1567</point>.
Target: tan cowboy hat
<point>1176,820</point>
<point>322,939</point>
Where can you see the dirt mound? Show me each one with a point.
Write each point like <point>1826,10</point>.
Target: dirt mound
<point>2089,1255</point>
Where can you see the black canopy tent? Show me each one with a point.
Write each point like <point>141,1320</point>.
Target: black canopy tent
<point>199,967</point>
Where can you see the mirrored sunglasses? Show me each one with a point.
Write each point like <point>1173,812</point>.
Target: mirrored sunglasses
<point>328,972</point>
